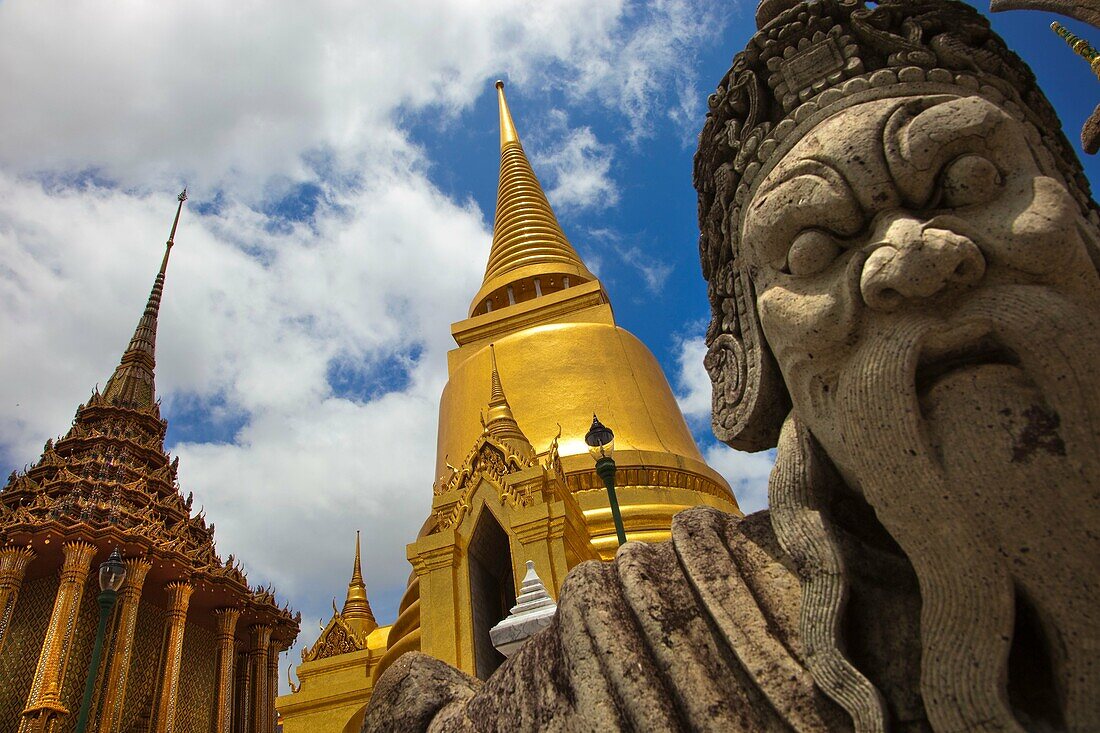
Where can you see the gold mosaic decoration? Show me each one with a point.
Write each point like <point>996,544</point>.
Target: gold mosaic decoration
<point>17,663</point>
<point>72,688</point>
<point>195,711</point>
<point>145,664</point>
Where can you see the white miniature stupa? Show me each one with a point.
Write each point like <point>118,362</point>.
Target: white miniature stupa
<point>533,610</point>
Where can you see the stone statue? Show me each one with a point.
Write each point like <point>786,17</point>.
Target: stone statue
<point>902,255</point>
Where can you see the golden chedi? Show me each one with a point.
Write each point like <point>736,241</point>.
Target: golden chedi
<point>190,646</point>
<point>336,672</point>
<point>525,487</point>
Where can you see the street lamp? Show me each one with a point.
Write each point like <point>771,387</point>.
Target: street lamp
<point>112,574</point>
<point>601,444</point>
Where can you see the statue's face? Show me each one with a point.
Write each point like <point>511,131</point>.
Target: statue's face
<point>932,302</point>
<point>909,253</point>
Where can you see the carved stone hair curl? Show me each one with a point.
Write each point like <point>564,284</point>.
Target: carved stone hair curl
<point>809,60</point>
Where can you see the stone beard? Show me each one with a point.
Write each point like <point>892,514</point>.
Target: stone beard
<point>928,288</point>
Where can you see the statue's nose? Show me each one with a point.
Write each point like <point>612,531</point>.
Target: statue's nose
<point>912,261</point>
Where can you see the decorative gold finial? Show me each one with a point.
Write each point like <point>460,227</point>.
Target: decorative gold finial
<point>508,134</point>
<point>1080,46</point>
<point>496,393</point>
<point>172,234</point>
<point>499,420</point>
<point>293,687</point>
<point>357,571</point>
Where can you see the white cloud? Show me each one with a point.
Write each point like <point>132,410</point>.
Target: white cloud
<point>635,75</point>
<point>107,109</point>
<point>577,165</point>
<point>747,473</point>
<point>693,388</point>
<point>234,94</point>
<point>654,271</point>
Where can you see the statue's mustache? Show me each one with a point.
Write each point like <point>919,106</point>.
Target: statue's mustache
<point>1029,327</point>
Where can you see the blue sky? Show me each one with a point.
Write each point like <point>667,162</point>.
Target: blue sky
<point>342,163</point>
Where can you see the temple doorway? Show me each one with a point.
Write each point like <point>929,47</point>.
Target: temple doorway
<point>492,588</point>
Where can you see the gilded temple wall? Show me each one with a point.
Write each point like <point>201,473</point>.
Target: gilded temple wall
<point>18,660</point>
<point>72,690</point>
<point>197,676</point>
<point>24,640</point>
<point>142,688</point>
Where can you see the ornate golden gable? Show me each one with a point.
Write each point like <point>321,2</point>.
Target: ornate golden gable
<point>337,638</point>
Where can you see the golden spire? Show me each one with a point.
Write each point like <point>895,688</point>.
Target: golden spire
<point>499,420</point>
<point>508,134</point>
<point>132,383</point>
<point>530,255</point>
<point>356,606</point>
<point>1079,45</point>
<point>496,393</point>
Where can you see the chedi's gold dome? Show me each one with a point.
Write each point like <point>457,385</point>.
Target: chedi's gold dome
<point>556,375</point>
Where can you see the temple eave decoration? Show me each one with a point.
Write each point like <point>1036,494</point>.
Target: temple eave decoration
<point>497,462</point>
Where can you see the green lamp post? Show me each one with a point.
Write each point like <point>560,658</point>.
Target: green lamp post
<point>601,444</point>
<point>112,574</point>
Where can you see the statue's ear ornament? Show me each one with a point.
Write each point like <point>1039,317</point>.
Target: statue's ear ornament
<point>749,400</point>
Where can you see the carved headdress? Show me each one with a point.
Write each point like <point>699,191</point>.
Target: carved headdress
<point>808,61</point>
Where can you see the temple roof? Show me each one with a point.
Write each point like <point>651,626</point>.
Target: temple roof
<point>528,243</point>
<point>108,480</point>
<point>132,383</point>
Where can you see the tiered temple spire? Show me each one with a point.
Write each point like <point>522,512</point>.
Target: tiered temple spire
<point>357,610</point>
<point>349,630</point>
<point>499,420</point>
<point>132,383</point>
<point>530,255</point>
<point>112,462</point>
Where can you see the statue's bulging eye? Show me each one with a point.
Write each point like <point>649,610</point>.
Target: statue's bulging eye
<point>969,180</point>
<point>811,252</point>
